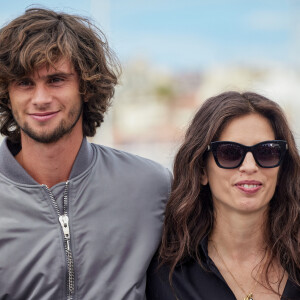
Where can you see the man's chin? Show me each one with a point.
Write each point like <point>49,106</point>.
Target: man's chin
<point>46,137</point>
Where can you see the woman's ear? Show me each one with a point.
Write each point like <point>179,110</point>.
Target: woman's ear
<point>204,178</point>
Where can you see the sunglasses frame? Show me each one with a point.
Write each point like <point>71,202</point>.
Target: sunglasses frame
<point>213,146</point>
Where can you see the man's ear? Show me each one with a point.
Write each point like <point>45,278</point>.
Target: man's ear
<point>204,178</point>
<point>8,103</point>
<point>85,99</point>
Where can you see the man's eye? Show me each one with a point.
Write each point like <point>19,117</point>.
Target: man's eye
<point>24,82</point>
<point>55,80</point>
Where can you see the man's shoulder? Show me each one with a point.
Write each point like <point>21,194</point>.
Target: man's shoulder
<point>120,155</point>
<point>114,158</point>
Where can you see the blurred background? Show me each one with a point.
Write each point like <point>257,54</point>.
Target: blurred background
<point>175,54</point>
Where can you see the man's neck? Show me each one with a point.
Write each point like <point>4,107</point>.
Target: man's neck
<point>49,163</point>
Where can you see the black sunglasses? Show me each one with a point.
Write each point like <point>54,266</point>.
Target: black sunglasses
<point>230,155</point>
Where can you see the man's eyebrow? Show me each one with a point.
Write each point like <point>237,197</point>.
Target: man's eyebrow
<point>56,74</point>
<point>59,74</point>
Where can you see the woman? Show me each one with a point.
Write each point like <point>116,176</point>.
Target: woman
<point>232,224</point>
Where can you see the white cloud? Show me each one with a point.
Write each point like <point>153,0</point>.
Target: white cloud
<point>268,20</point>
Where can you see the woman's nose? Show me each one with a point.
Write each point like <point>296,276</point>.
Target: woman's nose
<point>249,164</point>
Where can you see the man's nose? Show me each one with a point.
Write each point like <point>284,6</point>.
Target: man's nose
<point>41,95</point>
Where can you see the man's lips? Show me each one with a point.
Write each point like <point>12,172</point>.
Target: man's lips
<point>43,116</point>
<point>249,186</point>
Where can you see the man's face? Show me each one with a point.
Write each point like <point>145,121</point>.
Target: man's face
<point>47,104</point>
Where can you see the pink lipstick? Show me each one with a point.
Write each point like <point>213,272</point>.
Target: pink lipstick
<point>249,186</point>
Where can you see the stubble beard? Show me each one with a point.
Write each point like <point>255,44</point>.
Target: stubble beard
<point>60,131</point>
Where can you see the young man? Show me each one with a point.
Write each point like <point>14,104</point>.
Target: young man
<point>77,220</point>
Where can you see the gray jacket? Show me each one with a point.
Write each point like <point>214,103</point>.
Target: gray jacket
<point>115,205</point>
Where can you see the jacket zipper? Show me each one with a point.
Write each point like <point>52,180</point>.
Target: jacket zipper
<point>64,222</point>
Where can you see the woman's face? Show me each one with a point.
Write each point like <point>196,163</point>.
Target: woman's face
<point>247,188</point>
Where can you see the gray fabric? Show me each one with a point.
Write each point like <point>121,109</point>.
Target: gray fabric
<point>116,210</point>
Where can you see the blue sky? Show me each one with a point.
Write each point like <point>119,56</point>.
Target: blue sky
<point>191,34</point>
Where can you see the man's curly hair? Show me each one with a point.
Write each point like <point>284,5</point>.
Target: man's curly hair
<point>41,37</point>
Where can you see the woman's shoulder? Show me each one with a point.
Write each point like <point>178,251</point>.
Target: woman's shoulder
<point>184,278</point>
<point>158,286</point>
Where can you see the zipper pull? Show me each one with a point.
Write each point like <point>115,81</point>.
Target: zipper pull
<point>64,222</point>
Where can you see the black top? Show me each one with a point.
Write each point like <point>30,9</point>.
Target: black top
<point>192,282</point>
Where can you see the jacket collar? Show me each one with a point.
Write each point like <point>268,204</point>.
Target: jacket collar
<point>10,168</point>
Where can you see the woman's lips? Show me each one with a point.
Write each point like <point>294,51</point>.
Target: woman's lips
<point>249,186</point>
<point>45,116</point>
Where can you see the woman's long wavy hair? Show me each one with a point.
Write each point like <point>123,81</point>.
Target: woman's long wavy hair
<point>40,37</point>
<point>190,214</point>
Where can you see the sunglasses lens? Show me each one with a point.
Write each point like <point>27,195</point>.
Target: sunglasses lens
<point>268,155</point>
<point>229,155</point>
